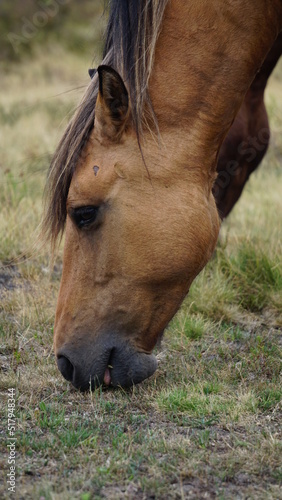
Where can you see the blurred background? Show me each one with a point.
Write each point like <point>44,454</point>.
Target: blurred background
<point>26,25</point>
<point>46,49</point>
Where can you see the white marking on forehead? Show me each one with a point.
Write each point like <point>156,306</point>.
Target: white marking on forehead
<point>96,170</point>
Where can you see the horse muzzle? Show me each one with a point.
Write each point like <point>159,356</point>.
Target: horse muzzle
<point>108,360</point>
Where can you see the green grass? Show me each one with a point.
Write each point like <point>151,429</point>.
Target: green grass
<point>208,423</point>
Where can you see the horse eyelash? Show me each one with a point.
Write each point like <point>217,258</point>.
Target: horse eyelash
<point>77,215</point>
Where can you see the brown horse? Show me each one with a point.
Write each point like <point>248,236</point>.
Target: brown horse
<point>247,140</point>
<point>131,181</point>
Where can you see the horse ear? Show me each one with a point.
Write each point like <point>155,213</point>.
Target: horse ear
<point>112,107</point>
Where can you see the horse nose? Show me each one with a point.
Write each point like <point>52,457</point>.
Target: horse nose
<point>81,369</point>
<point>66,368</point>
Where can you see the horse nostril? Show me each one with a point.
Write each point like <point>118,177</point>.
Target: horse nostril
<point>65,367</point>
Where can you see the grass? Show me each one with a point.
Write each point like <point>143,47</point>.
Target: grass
<point>208,423</point>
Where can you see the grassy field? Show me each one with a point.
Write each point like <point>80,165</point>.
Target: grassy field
<point>208,423</point>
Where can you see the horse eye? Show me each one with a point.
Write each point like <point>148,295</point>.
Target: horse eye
<point>84,216</point>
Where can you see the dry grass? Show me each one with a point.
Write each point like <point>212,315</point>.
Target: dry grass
<point>207,424</point>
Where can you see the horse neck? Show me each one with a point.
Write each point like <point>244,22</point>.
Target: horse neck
<point>206,58</point>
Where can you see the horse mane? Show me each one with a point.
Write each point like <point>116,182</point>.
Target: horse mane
<point>131,35</point>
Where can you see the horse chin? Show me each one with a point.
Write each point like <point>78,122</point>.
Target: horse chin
<point>110,361</point>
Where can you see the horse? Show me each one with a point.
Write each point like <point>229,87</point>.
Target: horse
<point>247,141</point>
<point>131,182</point>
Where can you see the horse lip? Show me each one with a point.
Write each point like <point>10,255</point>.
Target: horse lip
<point>133,369</point>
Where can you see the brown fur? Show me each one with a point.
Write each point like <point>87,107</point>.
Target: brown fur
<point>247,140</point>
<point>125,275</point>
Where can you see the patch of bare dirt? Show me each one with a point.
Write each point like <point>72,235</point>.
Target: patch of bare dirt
<point>9,279</point>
